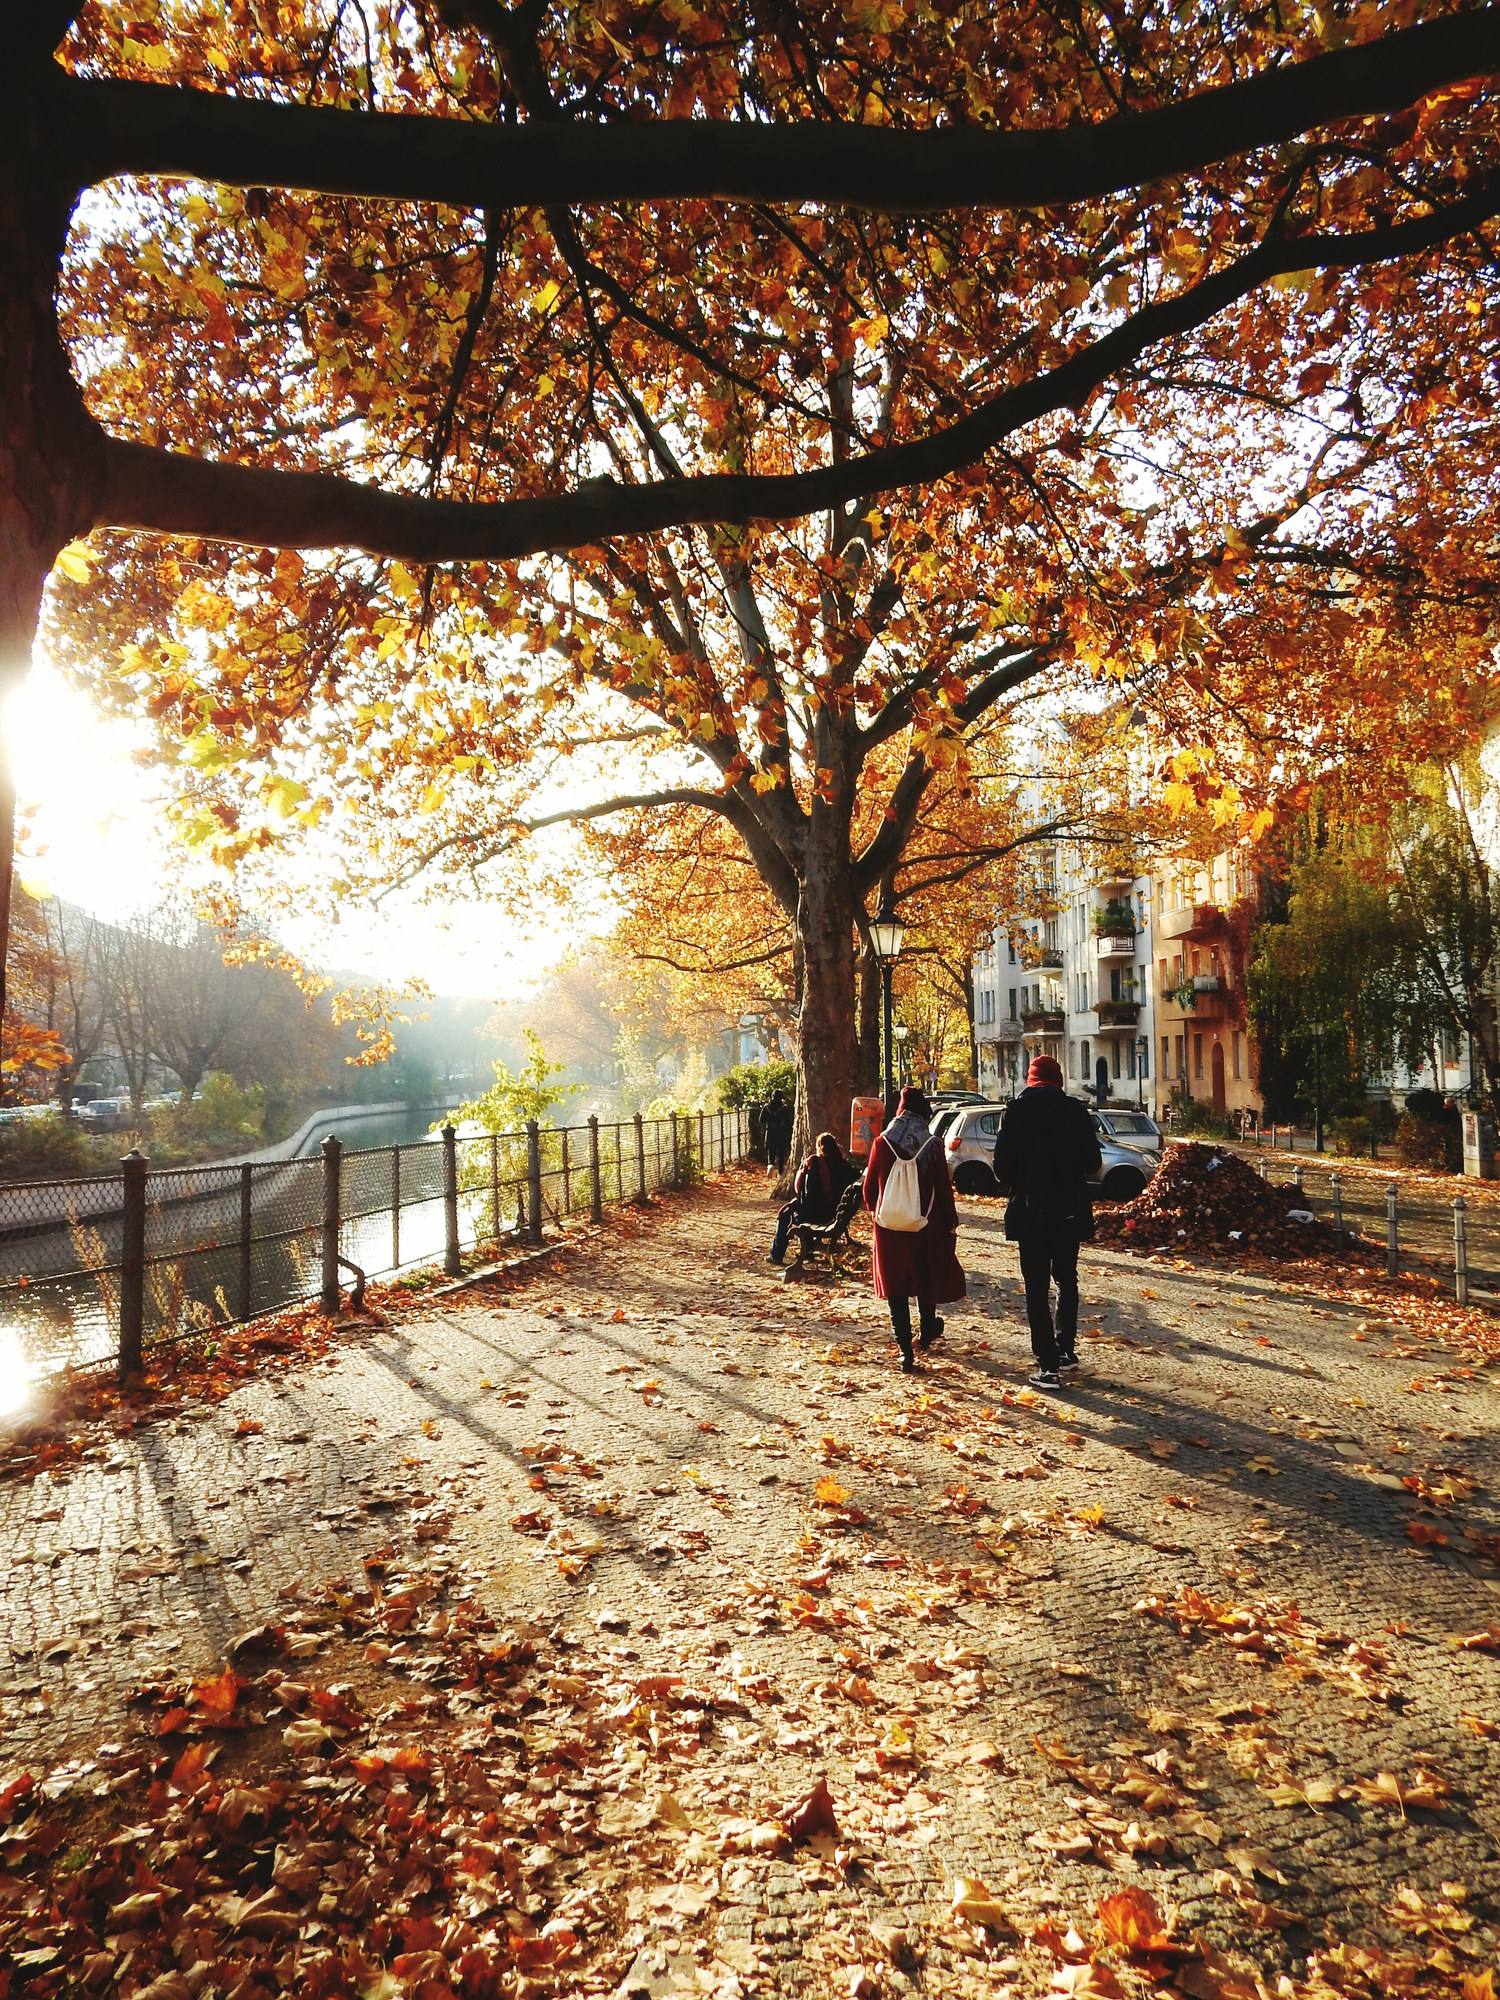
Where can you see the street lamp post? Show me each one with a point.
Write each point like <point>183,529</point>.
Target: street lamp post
<point>900,1052</point>
<point>1141,1048</point>
<point>887,935</point>
<point>1317,1034</point>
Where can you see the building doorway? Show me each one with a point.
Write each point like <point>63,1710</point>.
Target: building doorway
<point>1101,1080</point>
<point>1219,1078</point>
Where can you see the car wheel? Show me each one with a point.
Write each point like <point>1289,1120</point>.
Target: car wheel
<point>1122,1184</point>
<point>974,1179</point>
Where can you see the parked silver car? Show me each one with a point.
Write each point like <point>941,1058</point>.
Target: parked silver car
<point>1127,1161</point>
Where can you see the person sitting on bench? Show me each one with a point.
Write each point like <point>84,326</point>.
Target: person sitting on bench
<point>821,1179</point>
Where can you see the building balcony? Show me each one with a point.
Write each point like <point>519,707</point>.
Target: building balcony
<point>995,1032</point>
<point>1195,920</point>
<point>1120,945</point>
<point>1204,996</point>
<point>1038,957</point>
<point>1042,1020</point>
<point>1119,1013</point>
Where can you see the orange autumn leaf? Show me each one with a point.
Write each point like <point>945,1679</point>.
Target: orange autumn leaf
<point>1131,1919</point>
<point>830,1493</point>
<point>191,1769</point>
<point>216,1698</point>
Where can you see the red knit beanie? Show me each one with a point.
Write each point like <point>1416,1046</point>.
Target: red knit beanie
<point>1045,1070</point>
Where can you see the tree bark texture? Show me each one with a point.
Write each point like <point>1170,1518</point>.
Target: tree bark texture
<point>827,1073</point>
<point>51,451</point>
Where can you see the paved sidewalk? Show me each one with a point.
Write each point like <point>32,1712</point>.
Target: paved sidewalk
<point>950,1630</point>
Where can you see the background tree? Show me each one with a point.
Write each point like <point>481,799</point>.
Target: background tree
<point>438,362</point>
<point>31,1051</point>
<point>77,1003</point>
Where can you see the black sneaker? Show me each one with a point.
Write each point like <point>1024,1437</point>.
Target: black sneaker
<point>772,1258</point>
<point>908,1364</point>
<point>1069,1360</point>
<point>1045,1378</point>
<point>930,1339</point>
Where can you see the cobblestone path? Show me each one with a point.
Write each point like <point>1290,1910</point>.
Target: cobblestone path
<point>928,1589</point>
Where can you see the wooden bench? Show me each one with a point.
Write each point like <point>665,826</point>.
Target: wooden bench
<point>829,1238</point>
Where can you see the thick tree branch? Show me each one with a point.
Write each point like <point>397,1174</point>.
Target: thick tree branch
<point>170,493</point>
<point>138,128</point>
<point>641,801</point>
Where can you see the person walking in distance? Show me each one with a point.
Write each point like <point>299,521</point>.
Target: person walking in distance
<point>778,1129</point>
<point>1045,1152</point>
<point>910,1194</point>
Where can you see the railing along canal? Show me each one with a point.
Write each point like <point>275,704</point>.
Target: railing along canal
<point>100,1270</point>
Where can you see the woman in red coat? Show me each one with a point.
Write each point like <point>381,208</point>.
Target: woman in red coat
<point>919,1263</point>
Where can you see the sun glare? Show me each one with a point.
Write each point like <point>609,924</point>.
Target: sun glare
<point>89,833</point>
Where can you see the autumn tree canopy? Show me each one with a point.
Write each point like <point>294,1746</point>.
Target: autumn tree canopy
<point>1185,324</point>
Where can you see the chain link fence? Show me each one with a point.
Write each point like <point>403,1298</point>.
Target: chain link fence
<point>100,1270</point>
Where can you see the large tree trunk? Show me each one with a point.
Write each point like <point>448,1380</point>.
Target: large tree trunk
<point>51,453</point>
<point>869,1023</point>
<point>827,1070</point>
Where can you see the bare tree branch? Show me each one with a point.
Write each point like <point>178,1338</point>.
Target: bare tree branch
<point>171,493</point>
<point>139,128</point>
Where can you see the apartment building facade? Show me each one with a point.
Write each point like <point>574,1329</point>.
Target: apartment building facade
<point>1134,983</point>
<point>1074,985</point>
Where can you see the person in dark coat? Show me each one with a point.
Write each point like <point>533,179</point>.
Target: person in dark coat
<point>921,1263</point>
<point>821,1179</point>
<point>778,1131</point>
<point>1045,1152</point>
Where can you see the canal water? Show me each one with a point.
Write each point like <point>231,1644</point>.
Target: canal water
<point>54,1315</point>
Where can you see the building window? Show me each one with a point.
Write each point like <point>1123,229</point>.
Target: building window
<point>1166,1057</point>
<point>1145,1057</point>
<point>1165,990</point>
<point>1013,998</point>
<point>1072,1059</point>
<point>1130,1060</point>
<point>1181,1060</point>
<point>1237,1041</point>
<point>1117,1055</point>
<point>1012,951</point>
<point>1197,1055</point>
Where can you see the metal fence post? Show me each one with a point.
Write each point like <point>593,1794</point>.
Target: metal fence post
<point>676,1162</point>
<point>1460,1252</point>
<point>1392,1245</point>
<point>534,1180</point>
<point>640,1157</point>
<point>1336,1187</point>
<point>333,1154</point>
<point>395,1208</point>
<point>247,1176</point>
<point>452,1262</point>
<point>596,1196</point>
<point>133,1170</point>
<point>702,1148</point>
<point>722,1161</point>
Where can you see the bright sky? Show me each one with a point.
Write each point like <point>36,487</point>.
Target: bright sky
<point>94,840</point>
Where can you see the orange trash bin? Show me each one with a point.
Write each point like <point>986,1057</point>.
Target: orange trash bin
<point>867,1116</point>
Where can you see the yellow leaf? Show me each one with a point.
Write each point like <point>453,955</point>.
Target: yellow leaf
<point>830,1493</point>
<point>74,561</point>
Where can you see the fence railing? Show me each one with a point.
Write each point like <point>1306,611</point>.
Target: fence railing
<point>103,1269</point>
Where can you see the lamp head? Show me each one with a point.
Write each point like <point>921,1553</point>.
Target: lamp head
<point>887,933</point>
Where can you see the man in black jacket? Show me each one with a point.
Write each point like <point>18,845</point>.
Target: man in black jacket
<point>1046,1150</point>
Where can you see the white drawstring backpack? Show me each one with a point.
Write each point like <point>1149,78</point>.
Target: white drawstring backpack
<point>900,1205</point>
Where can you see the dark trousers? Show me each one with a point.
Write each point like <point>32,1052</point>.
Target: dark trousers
<point>786,1216</point>
<point>1044,1258</point>
<point>901,1320</point>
